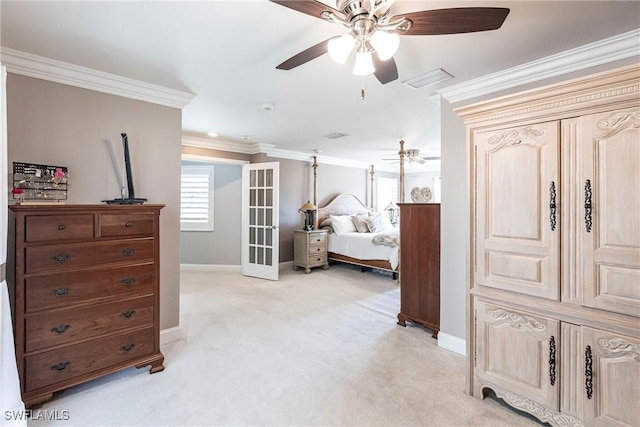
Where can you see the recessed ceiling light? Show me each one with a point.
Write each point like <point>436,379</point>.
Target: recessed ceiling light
<point>212,134</point>
<point>430,78</point>
<point>245,137</point>
<point>267,106</point>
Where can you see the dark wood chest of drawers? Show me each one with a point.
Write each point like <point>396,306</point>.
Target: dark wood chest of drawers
<point>84,283</point>
<point>420,265</point>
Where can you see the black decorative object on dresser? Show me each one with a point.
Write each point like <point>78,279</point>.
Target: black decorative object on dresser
<point>84,283</point>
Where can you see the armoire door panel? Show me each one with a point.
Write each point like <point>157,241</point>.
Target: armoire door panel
<point>513,350</point>
<point>517,215</point>
<point>615,370</point>
<point>610,236</point>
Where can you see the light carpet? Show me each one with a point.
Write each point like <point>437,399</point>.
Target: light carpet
<point>319,349</point>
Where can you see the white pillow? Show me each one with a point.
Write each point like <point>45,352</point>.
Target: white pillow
<point>359,222</point>
<point>378,222</point>
<point>342,224</point>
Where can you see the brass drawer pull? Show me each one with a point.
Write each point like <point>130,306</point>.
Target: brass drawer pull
<point>60,329</point>
<point>60,366</point>
<point>60,259</point>
<point>129,224</point>
<point>60,292</point>
<point>128,251</point>
<point>128,314</point>
<point>127,348</point>
<point>61,227</point>
<point>128,281</point>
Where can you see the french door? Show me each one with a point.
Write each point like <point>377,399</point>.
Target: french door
<point>260,229</point>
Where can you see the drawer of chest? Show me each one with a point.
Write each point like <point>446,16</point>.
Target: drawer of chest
<point>317,239</point>
<point>116,225</point>
<point>65,326</point>
<point>58,227</point>
<point>68,289</point>
<point>67,363</point>
<point>316,250</point>
<point>318,259</point>
<point>79,255</point>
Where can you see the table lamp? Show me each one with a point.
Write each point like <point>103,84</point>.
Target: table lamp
<point>308,209</point>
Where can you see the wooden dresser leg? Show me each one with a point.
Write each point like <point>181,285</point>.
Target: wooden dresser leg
<point>156,364</point>
<point>29,403</point>
<point>402,320</point>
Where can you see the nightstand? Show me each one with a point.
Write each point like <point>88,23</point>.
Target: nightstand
<point>310,249</point>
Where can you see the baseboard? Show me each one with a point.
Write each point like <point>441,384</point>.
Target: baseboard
<point>287,265</point>
<point>209,267</point>
<point>451,343</point>
<point>170,335</point>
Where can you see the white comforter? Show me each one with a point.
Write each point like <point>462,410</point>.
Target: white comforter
<point>359,246</point>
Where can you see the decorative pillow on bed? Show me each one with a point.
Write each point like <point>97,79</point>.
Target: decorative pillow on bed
<point>342,224</point>
<point>378,222</point>
<point>360,222</point>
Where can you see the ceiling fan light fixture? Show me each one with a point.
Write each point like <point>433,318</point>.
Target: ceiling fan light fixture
<point>364,64</point>
<point>386,44</point>
<point>340,47</point>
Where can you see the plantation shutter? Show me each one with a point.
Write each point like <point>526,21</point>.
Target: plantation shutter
<point>196,198</point>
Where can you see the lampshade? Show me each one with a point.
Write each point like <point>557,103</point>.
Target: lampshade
<point>364,64</point>
<point>307,207</point>
<point>340,47</point>
<point>386,44</point>
<point>390,206</point>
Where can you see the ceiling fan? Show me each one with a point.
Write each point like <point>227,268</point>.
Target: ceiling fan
<point>412,155</point>
<point>372,29</point>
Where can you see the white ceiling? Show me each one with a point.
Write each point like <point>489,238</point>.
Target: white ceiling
<point>226,52</point>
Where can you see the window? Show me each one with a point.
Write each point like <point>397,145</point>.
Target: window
<point>437,182</point>
<point>196,198</point>
<point>387,192</point>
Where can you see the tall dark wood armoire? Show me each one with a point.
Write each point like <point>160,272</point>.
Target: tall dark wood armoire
<point>420,265</point>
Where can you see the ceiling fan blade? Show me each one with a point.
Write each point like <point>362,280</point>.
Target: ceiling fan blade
<point>386,71</point>
<point>305,56</point>
<point>454,20</point>
<point>309,7</point>
<point>431,158</point>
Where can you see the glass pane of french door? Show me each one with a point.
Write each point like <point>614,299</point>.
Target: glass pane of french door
<point>260,214</point>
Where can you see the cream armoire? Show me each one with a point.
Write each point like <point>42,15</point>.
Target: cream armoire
<point>554,249</point>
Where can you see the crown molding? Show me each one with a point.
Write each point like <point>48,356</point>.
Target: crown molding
<point>605,51</point>
<point>233,147</point>
<point>39,67</point>
<point>270,150</point>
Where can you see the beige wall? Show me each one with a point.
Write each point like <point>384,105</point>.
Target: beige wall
<point>52,123</point>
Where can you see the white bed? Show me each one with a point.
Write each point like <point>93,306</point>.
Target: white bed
<point>355,248</point>
<point>358,245</point>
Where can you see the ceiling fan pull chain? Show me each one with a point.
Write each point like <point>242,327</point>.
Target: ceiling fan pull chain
<point>362,90</point>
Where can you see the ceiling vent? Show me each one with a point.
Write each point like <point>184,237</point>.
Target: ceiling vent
<point>336,135</point>
<point>427,79</point>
